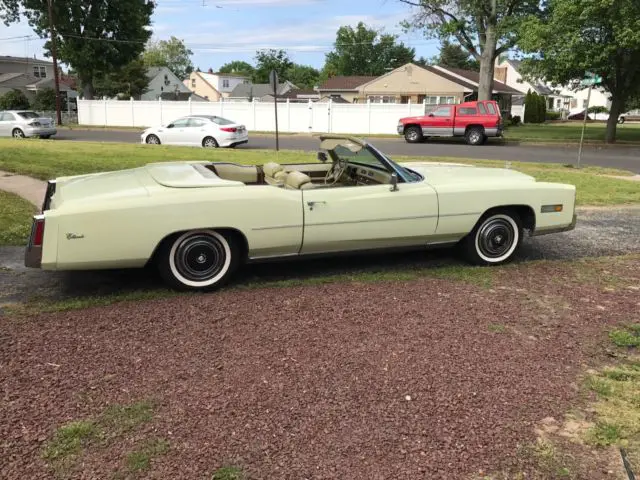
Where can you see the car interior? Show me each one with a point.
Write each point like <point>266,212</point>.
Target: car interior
<point>350,165</point>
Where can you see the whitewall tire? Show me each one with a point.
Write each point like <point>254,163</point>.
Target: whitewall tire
<point>494,239</point>
<point>198,260</point>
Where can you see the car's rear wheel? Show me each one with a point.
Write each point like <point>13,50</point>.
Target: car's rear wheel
<point>17,133</point>
<point>209,142</point>
<point>153,140</point>
<point>413,134</point>
<point>494,239</point>
<point>621,120</point>
<point>474,136</point>
<point>198,260</point>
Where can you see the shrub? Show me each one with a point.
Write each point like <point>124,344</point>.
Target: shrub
<point>14,100</point>
<point>598,109</point>
<point>529,110</point>
<point>515,120</point>
<point>553,115</point>
<point>45,100</point>
<point>542,109</point>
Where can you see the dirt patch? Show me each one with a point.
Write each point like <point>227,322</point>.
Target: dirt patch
<point>360,381</point>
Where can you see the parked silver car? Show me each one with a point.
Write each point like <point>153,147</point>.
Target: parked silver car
<point>25,123</point>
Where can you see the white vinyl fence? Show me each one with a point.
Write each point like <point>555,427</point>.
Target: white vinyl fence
<point>367,118</point>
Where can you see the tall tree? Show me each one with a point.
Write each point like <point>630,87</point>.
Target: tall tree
<point>366,51</point>
<point>125,82</point>
<point>267,60</point>
<point>454,56</point>
<point>172,53</point>
<point>94,37</point>
<point>303,76</point>
<point>485,28</point>
<point>9,11</point>
<point>239,67</point>
<point>575,36</point>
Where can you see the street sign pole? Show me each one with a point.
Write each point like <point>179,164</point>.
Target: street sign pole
<point>273,79</point>
<point>584,125</point>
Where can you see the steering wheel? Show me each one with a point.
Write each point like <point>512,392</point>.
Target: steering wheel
<point>336,171</point>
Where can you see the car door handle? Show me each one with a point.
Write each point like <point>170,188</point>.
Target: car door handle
<point>313,204</point>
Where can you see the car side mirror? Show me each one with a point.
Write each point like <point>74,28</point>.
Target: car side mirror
<point>394,182</point>
<point>170,125</point>
<point>322,156</point>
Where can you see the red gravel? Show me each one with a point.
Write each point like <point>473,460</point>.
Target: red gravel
<point>310,382</point>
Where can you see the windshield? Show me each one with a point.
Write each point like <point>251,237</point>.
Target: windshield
<point>28,114</point>
<point>408,175</point>
<point>371,157</point>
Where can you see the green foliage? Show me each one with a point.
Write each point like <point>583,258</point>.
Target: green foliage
<point>126,82</point>
<point>454,56</point>
<point>239,67</point>
<point>69,439</point>
<point>172,54</point>
<point>95,39</point>
<point>228,473</point>
<point>303,76</point>
<point>140,460</point>
<point>553,115</point>
<point>576,36</point>
<point>45,100</point>
<point>484,29</point>
<point>626,337</point>
<point>604,434</point>
<point>9,11</point>
<point>268,60</point>
<point>542,108</point>
<point>365,51</point>
<point>14,100</point>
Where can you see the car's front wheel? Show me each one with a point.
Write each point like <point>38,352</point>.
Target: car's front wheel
<point>494,239</point>
<point>413,134</point>
<point>199,260</point>
<point>153,140</point>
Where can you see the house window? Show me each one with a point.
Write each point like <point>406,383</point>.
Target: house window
<point>430,100</point>
<point>382,99</point>
<point>559,103</point>
<point>40,72</point>
<point>447,100</point>
<point>193,83</point>
<point>225,83</point>
<point>574,103</point>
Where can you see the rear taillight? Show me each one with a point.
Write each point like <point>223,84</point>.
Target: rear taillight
<point>229,129</point>
<point>35,124</point>
<point>38,232</point>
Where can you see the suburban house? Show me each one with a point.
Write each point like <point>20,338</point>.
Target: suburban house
<point>415,84</point>
<point>260,92</point>
<point>561,99</point>
<point>163,83</point>
<point>214,86</point>
<point>30,75</point>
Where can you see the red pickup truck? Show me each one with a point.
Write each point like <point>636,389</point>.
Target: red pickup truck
<point>475,121</point>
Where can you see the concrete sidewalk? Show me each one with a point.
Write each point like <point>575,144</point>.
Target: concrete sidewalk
<point>28,188</point>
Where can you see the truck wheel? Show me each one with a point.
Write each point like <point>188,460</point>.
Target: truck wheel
<point>475,136</point>
<point>413,134</point>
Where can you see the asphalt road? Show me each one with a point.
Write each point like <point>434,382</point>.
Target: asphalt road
<point>626,158</point>
<point>599,232</point>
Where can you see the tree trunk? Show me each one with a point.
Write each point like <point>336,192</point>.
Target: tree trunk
<point>617,104</point>
<point>487,65</point>
<point>87,89</point>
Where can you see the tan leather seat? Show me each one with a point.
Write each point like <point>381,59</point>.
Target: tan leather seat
<point>274,173</point>
<point>298,181</point>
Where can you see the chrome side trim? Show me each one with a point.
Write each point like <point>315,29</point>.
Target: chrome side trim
<point>460,214</point>
<point>415,217</point>
<point>275,227</point>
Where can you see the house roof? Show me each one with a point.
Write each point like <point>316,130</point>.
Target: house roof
<point>5,77</point>
<point>258,90</point>
<point>233,75</point>
<point>10,59</point>
<point>342,83</point>
<point>540,88</point>
<point>298,92</point>
<point>470,79</point>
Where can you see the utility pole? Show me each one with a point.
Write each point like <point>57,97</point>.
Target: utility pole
<point>54,55</point>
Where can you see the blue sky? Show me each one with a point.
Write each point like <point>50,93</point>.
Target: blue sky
<point>218,31</point>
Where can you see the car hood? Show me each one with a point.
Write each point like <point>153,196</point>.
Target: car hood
<point>451,173</point>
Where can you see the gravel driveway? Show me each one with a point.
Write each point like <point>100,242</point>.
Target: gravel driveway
<point>600,231</point>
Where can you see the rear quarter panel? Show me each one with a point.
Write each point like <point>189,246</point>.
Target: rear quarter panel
<point>121,234</point>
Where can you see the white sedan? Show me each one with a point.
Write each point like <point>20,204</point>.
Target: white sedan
<point>206,131</point>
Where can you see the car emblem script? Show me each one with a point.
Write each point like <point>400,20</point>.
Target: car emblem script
<point>74,236</point>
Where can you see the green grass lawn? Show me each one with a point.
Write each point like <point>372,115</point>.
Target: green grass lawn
<point>45,159</point>
<point>570,132</point>
<point>15,219</point>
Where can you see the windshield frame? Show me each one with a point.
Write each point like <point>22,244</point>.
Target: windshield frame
<point>405,175</point>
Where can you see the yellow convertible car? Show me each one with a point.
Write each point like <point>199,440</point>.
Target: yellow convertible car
<point>198,221</point>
